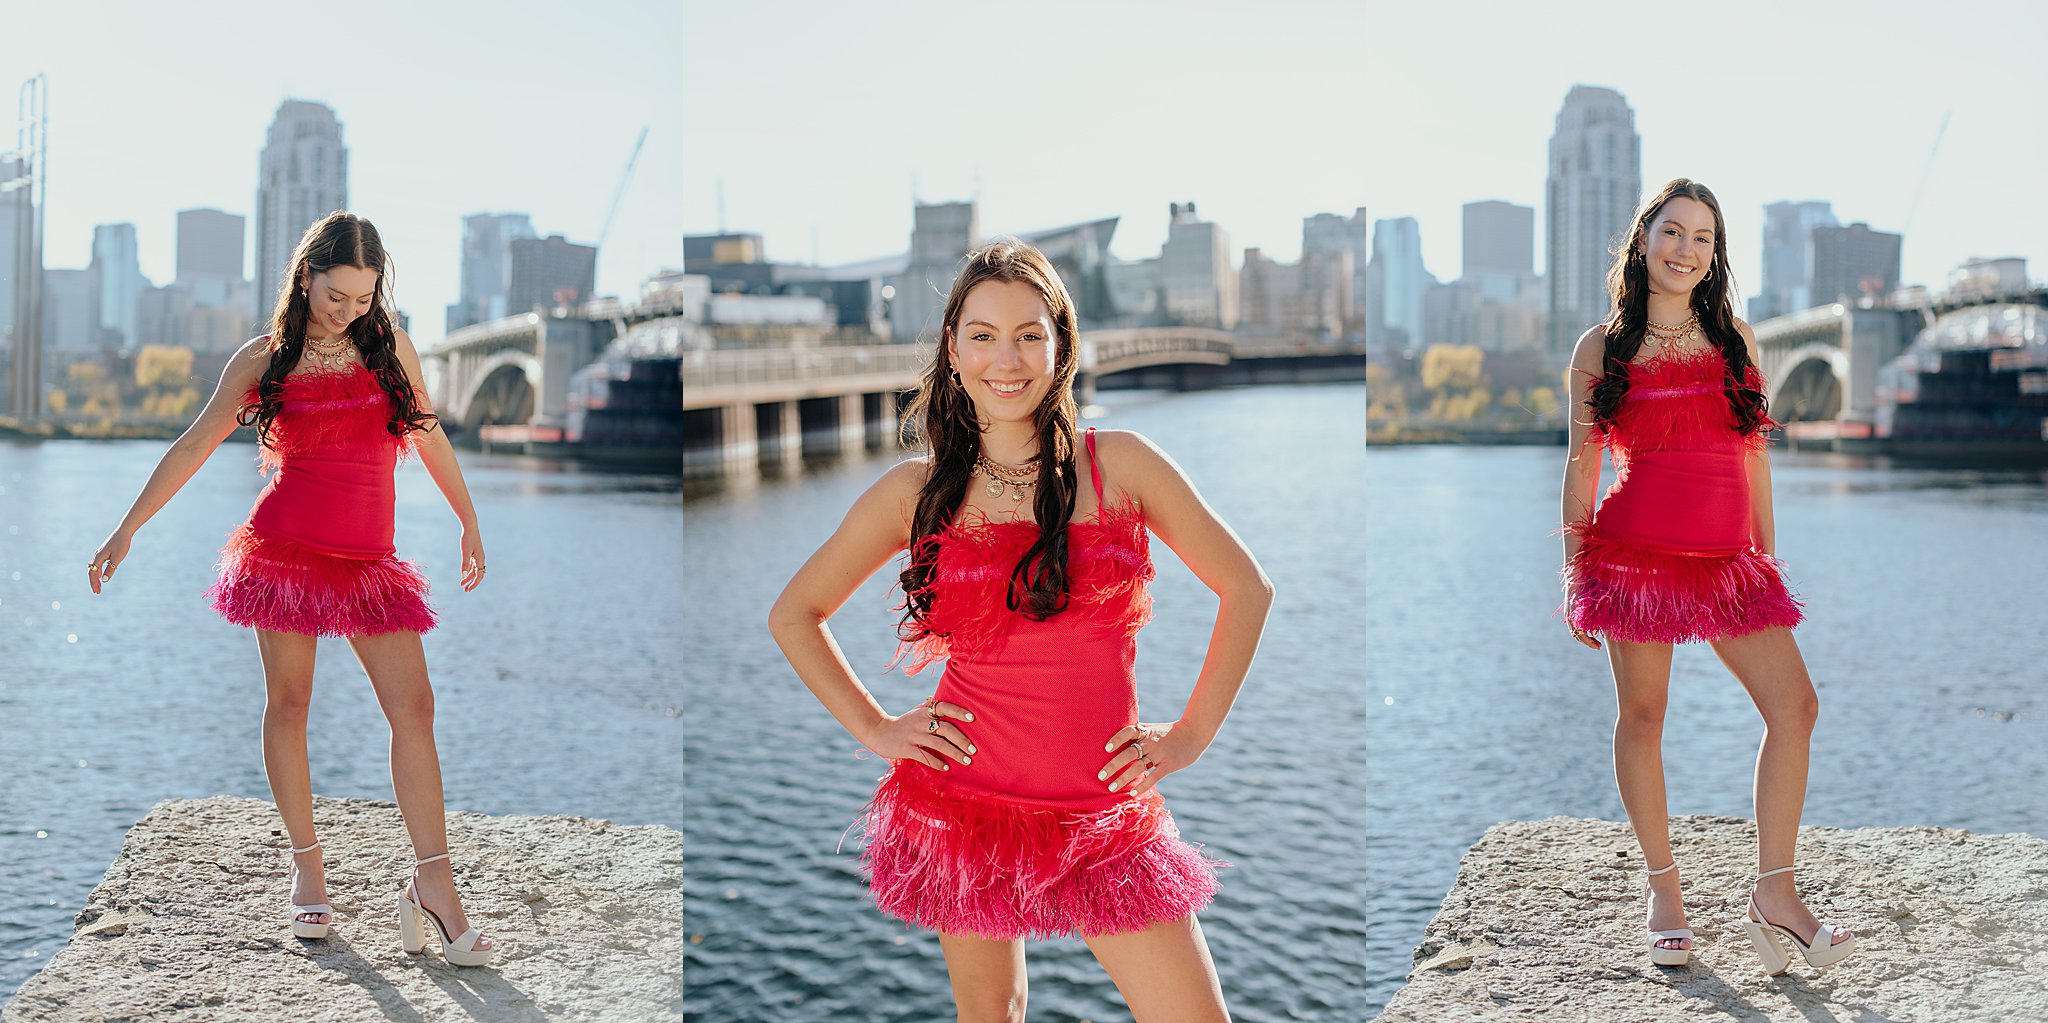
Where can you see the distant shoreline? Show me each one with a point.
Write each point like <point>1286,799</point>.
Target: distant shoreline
<point>1400,435</point>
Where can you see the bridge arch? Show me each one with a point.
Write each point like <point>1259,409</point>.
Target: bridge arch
<point>501,392</point>
<point>1810,387</point>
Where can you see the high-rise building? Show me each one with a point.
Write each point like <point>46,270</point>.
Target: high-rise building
<point>1195,276</point>
<point>1500,248</point>
<point>550,271</point>
<point>1397,280</point>
<point>1326,234</point>
<point>487,267</point>
<point>11,216</point>
<point>210,245</point>
<point>117,279</point>
<point>1852,262</point>
<point>303,176</point>
<point>940,236</point>
<point>71,311</point>
<point>1595,181</point>
<point>1788,258</point>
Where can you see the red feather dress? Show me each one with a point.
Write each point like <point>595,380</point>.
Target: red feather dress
<point>316,555</point>
<point>1668,556</point>
<point>1026,842</point>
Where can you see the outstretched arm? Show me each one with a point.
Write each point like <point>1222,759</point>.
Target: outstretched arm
<point>439,457</point>
<point>190,451</point>
<point>1186,523</point>
<point>877,527</point>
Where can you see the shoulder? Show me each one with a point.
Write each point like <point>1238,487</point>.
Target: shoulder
<point>403,341</point>
<point>1130,460</point>
<point>1590,353</point>
<point>905,478</point>
<point>1748,336</point>
<point>246,366</point>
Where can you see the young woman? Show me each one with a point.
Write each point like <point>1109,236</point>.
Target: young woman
<point>335,395</point>
<point>1020,801</point>
<point>1680,549</point>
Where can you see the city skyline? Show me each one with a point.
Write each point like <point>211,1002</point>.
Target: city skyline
<point>473,108</point>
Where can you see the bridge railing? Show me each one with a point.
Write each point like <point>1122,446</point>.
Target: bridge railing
<point>735,369</point>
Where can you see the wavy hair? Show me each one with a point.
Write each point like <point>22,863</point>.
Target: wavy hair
<point>337,239</point>
<point>942,416</point>
<point>1628,284</point>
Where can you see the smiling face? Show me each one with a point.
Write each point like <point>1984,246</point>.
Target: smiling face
<point>1005,350</point>
<point>1678,248</point>
<point>337,297</point>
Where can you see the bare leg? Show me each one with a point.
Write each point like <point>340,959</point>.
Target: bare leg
<point>288,692</point>
<point>988,978</point>
<point>1642,684</point>
<point>1768,665</point>
<point>397,667</point>
<point>1164,973</point>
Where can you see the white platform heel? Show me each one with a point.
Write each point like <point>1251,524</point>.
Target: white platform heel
<point>1821,950</point>
<point>1669,956</point>
<point>412,932</point>
<point>307,928</point>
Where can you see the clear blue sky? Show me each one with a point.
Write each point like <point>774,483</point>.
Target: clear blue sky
<point>817,118</point>
<point>447,108</point>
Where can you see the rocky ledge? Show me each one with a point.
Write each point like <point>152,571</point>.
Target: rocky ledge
<point>1545,922</point>
<point>191,924</point>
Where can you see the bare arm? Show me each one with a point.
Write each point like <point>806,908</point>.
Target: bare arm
<point>439,457</point>
<point>1582,459</point>
<point>190,451</point>
<point>1762,530</point>
<point>1186,523</point>
<point>874,531</point>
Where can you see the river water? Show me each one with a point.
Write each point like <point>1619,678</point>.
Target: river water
<point>777,919</point>
<point>555,682</point>
<point>1924,637</point>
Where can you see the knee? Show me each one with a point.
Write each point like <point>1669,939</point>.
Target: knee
<point>1640,720</point>
<point>412,713</point>
<point>1796,715</point>
<point>287,708</point>
<point>992,1006</point>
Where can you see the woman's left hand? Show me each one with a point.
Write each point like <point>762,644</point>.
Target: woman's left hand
<point>1146,753</point>
<point>472,559</point>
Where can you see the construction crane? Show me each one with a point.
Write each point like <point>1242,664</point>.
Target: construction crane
<point>625,177</point>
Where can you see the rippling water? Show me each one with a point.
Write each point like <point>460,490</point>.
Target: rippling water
<point>777,918</point>
<point>555,682</point>
<point>1925,639</point>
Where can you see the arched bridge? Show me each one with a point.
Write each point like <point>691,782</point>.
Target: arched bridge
<point>516,369</point>
<point>1822,363</point>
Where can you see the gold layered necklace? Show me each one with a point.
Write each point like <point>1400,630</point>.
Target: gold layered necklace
<point>334,353</point>
<point>1671,337</point>
<point>1002,479</point>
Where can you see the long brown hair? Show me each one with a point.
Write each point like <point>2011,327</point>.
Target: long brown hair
<point>942,415</point>
<point>1628,284</point>
<point>337,239</point>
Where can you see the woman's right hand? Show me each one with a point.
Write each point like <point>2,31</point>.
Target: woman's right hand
<point>106,559</point>
<point>925,735</point>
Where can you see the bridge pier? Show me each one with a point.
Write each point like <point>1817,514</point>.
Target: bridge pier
<point>832,426</point>
<point>879,414</point>
<point>779,429</point>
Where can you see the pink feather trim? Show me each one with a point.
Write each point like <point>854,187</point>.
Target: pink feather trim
<point>972,864</point>
<point>274,584</point>
<point>1109,564</point>
<point>345,412</point>
<point>1648,595</point>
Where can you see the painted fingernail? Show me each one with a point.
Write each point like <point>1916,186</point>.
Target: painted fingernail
<point>969,717</point>
<point>1113,785</point>
<point>967,760</point>
<point>1102,776</point>
<point>1107,746</point>
<point>971,749</point>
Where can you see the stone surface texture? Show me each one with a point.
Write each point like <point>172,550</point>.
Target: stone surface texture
<point>190,923</point>
<point>1545,922</point>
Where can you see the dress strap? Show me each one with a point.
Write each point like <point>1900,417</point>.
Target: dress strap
<point>1094,469</point>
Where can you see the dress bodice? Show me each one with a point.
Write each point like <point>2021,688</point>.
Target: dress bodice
<point>331,455</point>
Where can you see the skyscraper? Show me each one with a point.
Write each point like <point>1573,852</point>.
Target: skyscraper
<point>1397,279</point>
<point>1500,248</point>
<point>1788,258</point>
<point>487,267</point>
<point>1854,261</point>
<point>548,272</point>
<point>303,176</point>
<point>210,245</point>
<point>116,279</point>
<point>1195,276</point>
<point>940,235</point>
<point>1596,178</point>
<point>1325,235</point>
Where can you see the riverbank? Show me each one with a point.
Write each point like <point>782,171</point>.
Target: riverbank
<point>1545,922</point>
<point>1390,434</point>
<point>190,922</point>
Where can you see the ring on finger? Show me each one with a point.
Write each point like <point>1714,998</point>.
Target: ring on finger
<point>932,725</point>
